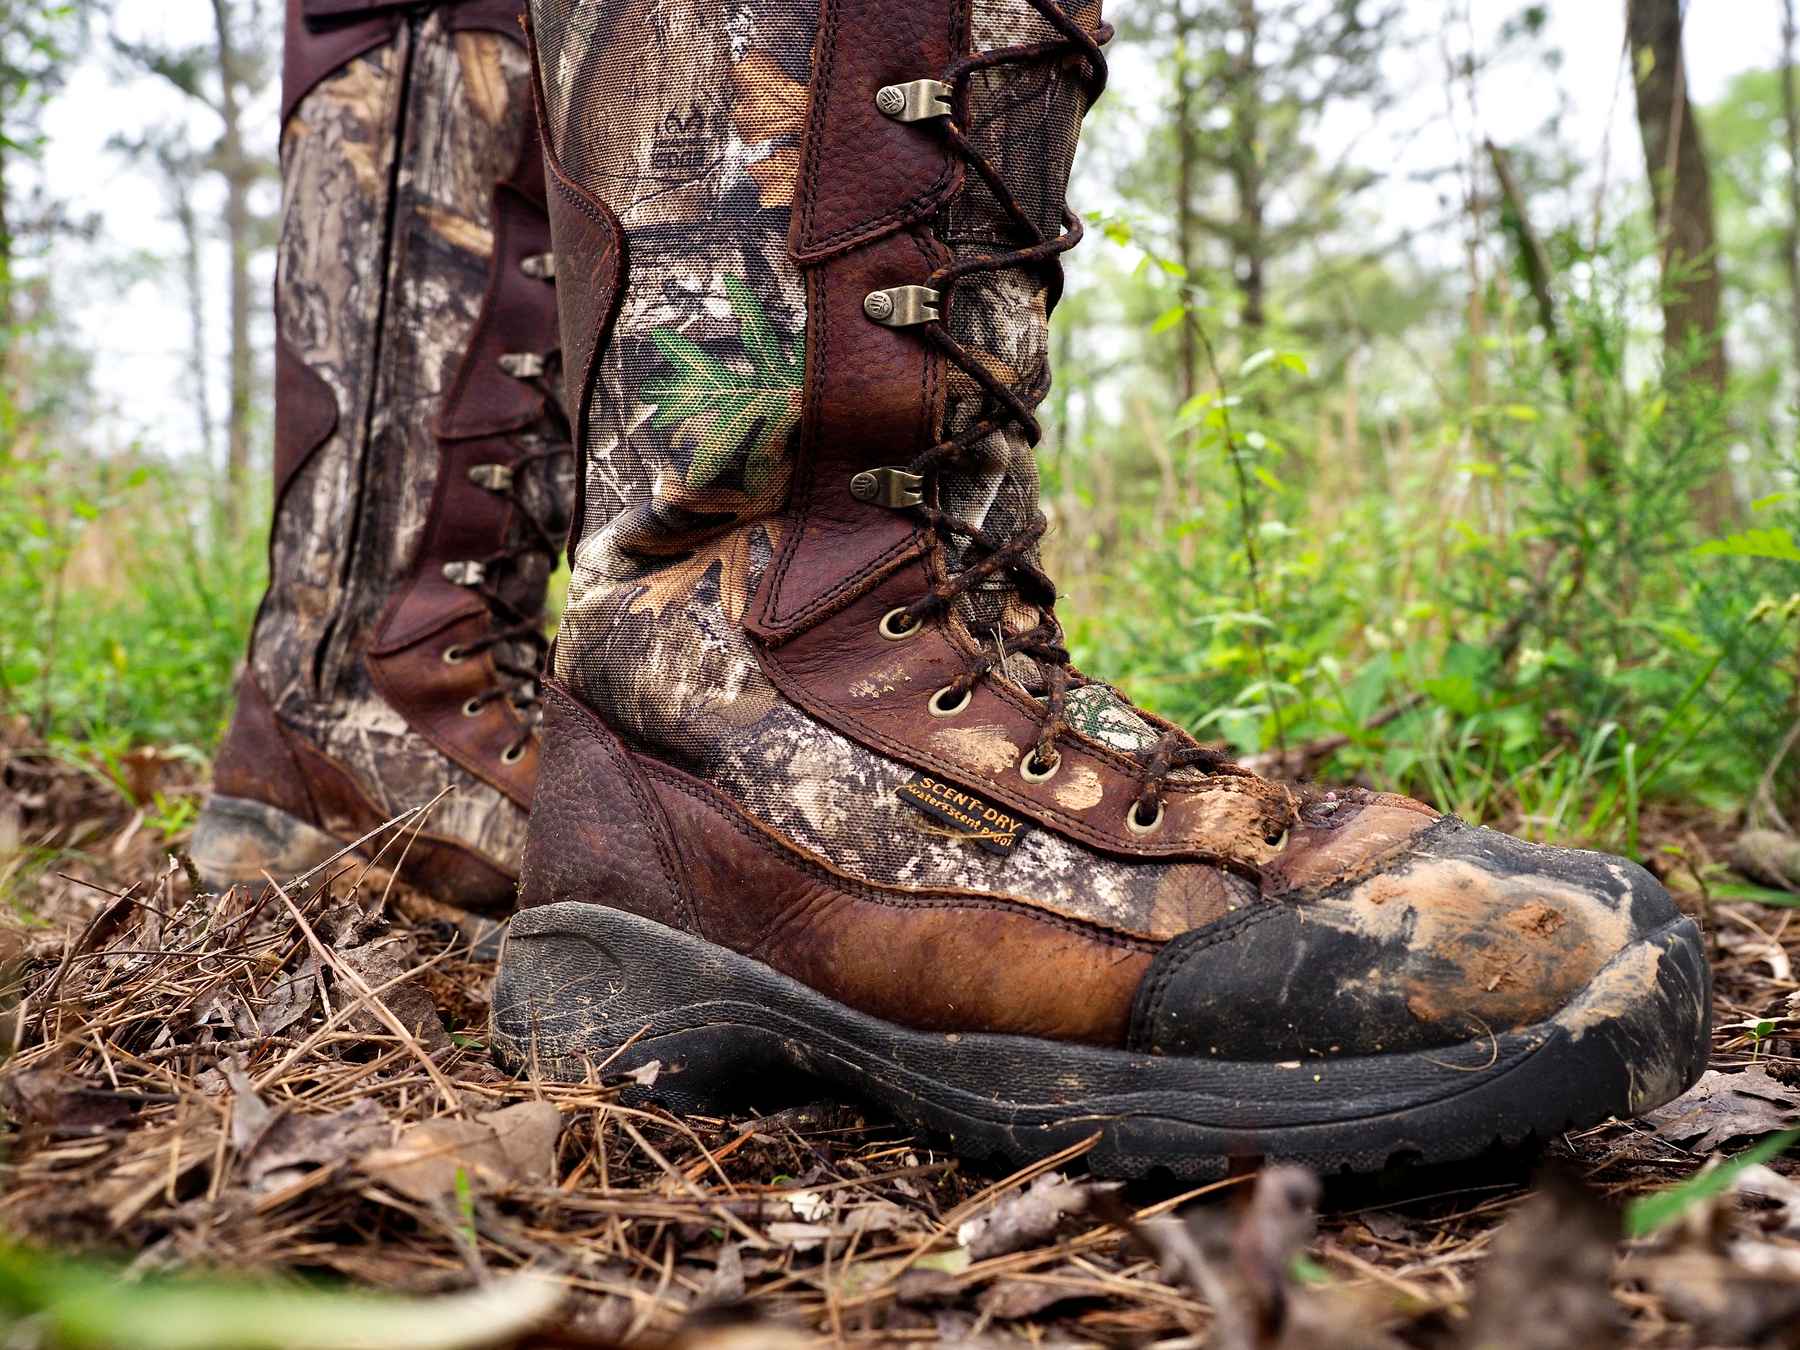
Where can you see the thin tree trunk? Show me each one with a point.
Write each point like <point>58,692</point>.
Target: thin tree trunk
<point>1790,116</point>
<point>1187,244</point>
<point>1681,187</point>
<point>194,283</point>
<point>239,174</point>
<point>1187,253</point>
<point>1247,175</point>
<point>1533,259</point>
<point>6,257</point>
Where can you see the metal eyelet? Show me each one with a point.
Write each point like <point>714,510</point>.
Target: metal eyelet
<point>473,708</point>
<point>903,306</point>
<point>513,754</point>
<point>455,656</point>
<point>1032,772</point>
<point>892,632</point>
<point>915,100</point>
<point>1137,826</point>
<point>1276,842</point>
<point>939,708</point>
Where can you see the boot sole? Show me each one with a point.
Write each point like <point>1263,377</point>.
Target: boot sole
<point>237,840</point>
<point>242,842</point>
<point>578,981</point>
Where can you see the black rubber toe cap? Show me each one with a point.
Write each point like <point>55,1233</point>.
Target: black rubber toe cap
<point>1468,933</point>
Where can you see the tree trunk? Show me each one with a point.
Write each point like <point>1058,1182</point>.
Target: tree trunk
<point>1247,175</point>
<point>1187,251</point>
<point>1681,187</point>
<point>1790,116</point>
<point>6,257</point>
<point>239,175</point>
<point>194,283</point>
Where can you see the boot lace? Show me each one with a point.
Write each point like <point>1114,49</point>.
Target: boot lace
<point>983,554</point>
<point>513,629</point>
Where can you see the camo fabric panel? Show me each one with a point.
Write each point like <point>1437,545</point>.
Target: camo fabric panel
<point>388,172</point>
<point>693,431</point>
<point>696,409</point>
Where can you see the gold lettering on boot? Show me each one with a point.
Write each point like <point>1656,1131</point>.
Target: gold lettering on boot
<point>968,818</point>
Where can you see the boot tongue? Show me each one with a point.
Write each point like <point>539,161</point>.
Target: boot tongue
<point>1025,119</point>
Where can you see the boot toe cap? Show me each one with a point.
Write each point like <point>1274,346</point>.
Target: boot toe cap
<point>1466,934</point>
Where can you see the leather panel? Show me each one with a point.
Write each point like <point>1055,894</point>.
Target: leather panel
<point>935,960</point>
<point>873,400</point>
<point>432,693</point>
<point>589,245</point>
<point>875,691</point>
<point>597,833</point>
<point>255,761</point>
<point>316,44</point>
<point>862,174</point>
<point>483,410</point>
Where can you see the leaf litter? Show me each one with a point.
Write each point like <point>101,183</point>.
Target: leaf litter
<point>294,1083</point>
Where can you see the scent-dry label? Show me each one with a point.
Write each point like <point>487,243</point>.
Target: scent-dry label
<point>964,815</point>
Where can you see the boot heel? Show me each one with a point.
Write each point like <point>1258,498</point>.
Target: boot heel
<point>585,989</point>
<point>238,840</point>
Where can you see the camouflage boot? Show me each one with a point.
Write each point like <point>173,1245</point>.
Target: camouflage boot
<point>423,469</point>
<point>821,791</point>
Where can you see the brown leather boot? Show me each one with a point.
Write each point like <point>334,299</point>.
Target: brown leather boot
<point>821,790</point>
<point>423,471</point>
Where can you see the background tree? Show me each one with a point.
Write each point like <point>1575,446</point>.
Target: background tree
<point>1681,190</point>
<point>226,76</point>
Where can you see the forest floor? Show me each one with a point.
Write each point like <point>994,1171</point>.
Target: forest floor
<point>294,1085</point>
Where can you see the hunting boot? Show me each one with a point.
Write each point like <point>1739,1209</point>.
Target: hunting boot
<point>423,472</point>
<point>821,791</point>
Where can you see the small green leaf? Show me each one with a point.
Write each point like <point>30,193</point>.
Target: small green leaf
<point>1171,316</point>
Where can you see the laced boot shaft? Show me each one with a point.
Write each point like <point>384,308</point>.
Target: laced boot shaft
<point>1005,260</point>
<point>424,466</point>
<point>821,789</point>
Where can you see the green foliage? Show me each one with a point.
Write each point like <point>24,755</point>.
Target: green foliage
<point>1502,604</point>
<point>124,623</point>
<point>62,1302</point>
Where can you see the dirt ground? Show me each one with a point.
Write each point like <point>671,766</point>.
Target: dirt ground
<point>295,1084</point>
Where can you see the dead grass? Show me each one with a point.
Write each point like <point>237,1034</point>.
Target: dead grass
<point>295,1084</point>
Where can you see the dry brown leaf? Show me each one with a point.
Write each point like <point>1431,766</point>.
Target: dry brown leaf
<point>379,963</point>
<point>1027,1217</point>
<point>516,1146</point>
<point>1547,1284</point>
<point>52,1097</point>
<point>294,1144</point>
<point>1726,1106</point>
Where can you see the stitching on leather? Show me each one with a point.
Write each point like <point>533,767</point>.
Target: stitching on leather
<point>940,900</point>
<point>802,492</point>
<point>651,810</point>
<point>806,489</point>
<point>825,83</point>
<point>1147,1009</point>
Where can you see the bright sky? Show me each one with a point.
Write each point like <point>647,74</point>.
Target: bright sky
<point>130,313</point>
